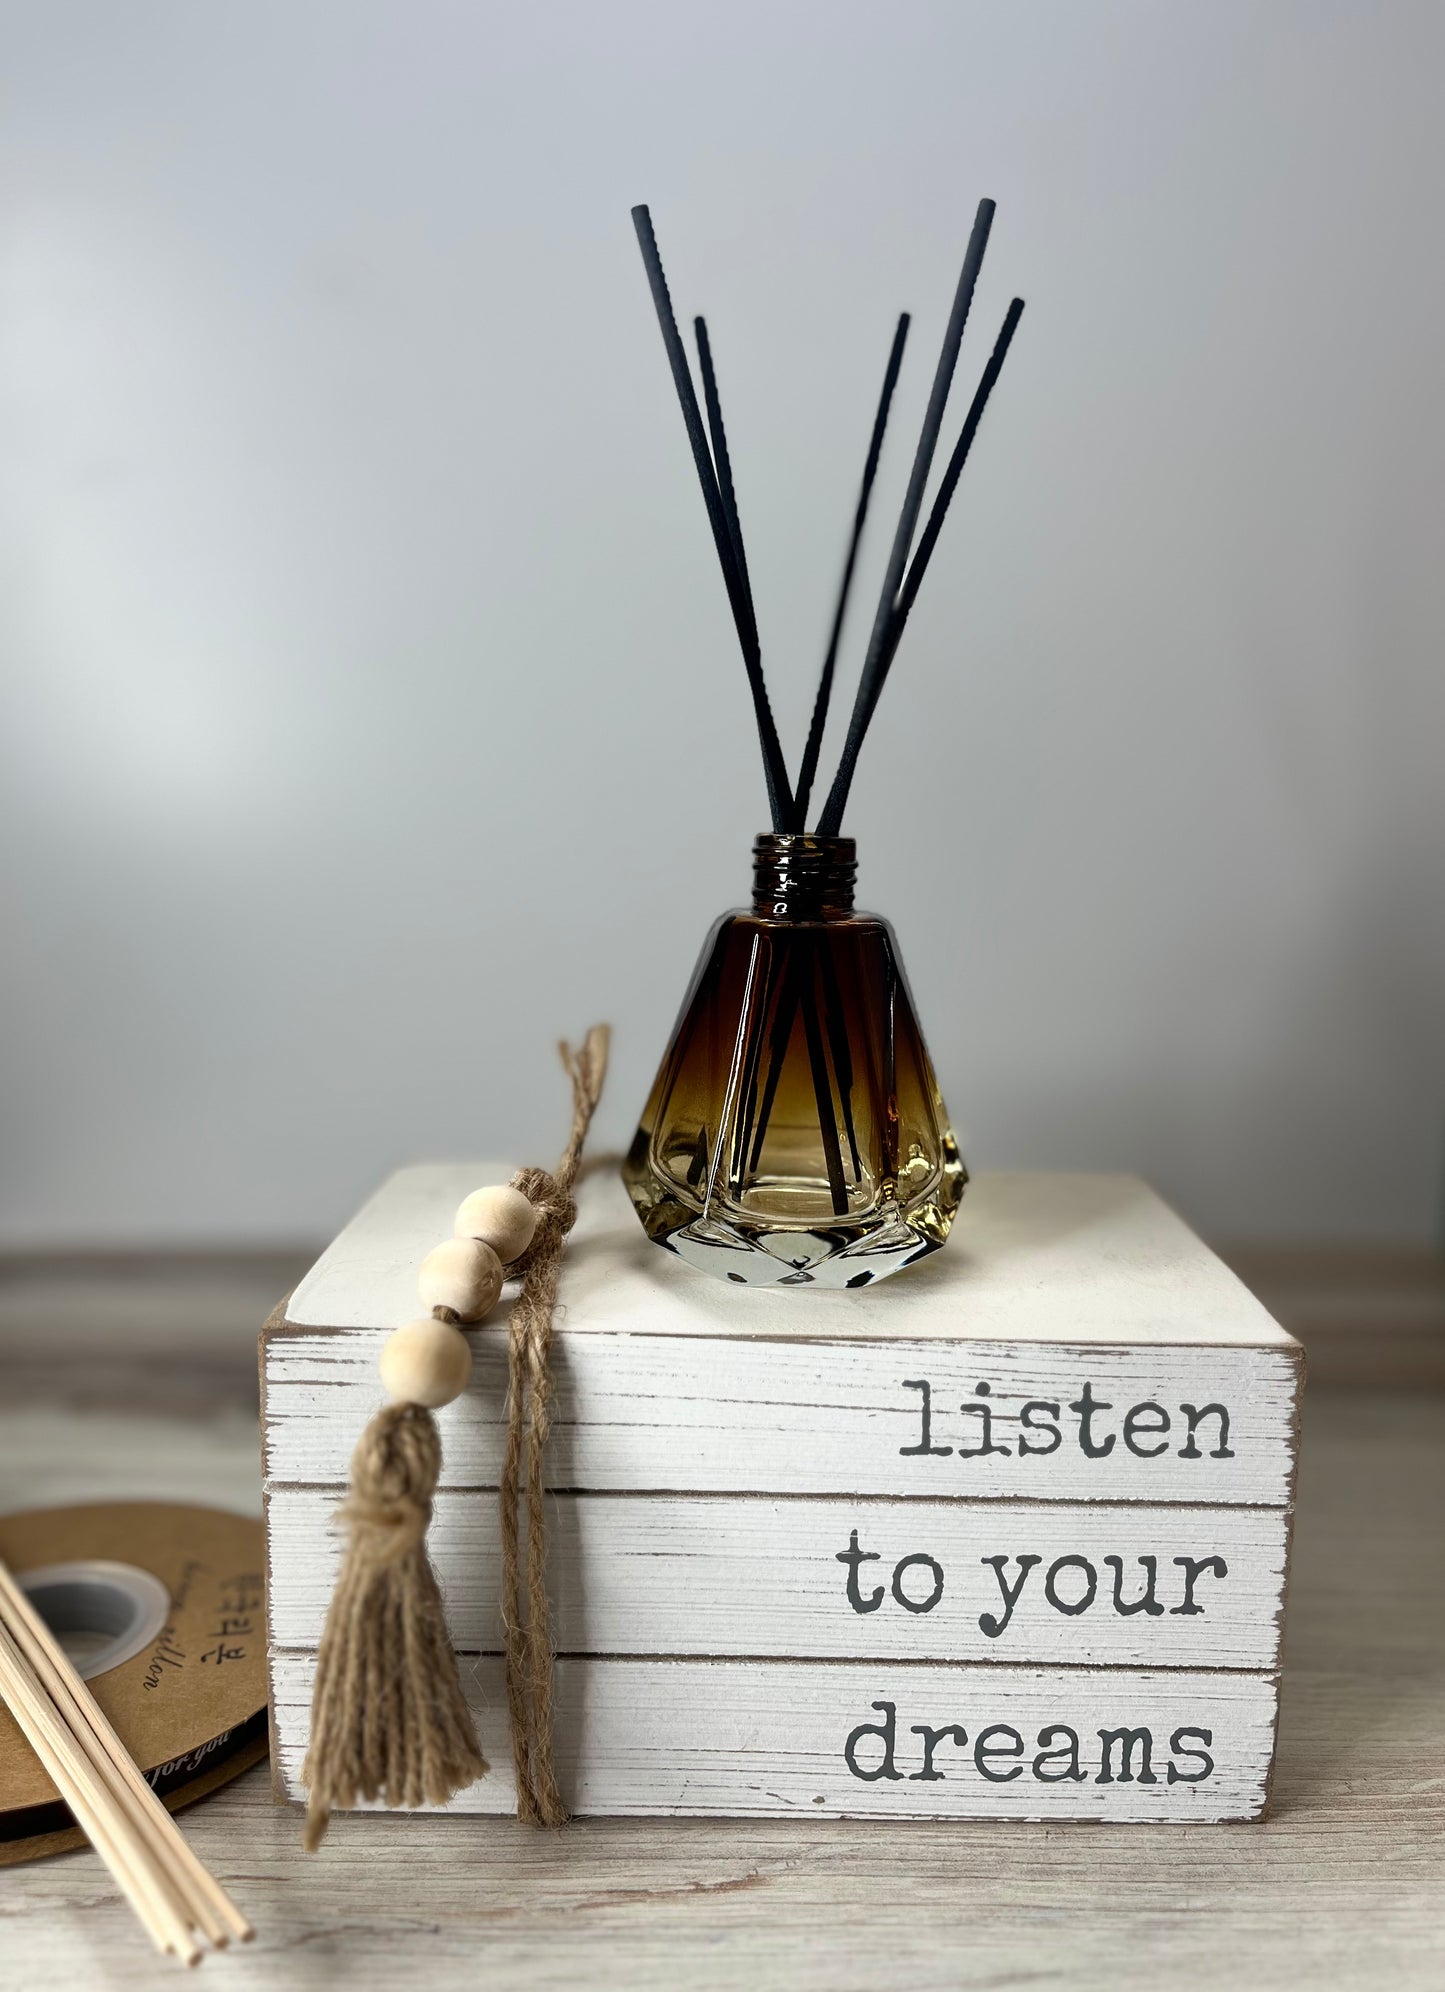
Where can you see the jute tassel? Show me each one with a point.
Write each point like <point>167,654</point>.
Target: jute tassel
<point>389,1719</point>
<point>525,1611</point>
<point>388,1716</point>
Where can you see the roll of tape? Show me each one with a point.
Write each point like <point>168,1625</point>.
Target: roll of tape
<point>161,1609</point>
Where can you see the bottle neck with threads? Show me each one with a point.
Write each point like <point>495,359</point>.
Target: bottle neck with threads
<point>803,878</point>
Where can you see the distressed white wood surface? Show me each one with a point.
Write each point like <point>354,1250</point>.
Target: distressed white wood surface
<point>1030,1340</point>
<point>760,1577</point>
<point>727,1738</point>
<point>688,1414</point>
<point>1032,1256</point>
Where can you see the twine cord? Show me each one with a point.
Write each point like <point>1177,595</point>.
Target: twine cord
<point>526,1615</point>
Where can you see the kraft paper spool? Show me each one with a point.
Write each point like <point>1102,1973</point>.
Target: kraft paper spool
<point>162,1610</point>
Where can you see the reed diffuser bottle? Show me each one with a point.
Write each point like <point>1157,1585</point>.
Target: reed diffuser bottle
<point>795,1134</point>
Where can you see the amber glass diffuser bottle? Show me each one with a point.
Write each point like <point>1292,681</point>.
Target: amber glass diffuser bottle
<point>795,1134</point>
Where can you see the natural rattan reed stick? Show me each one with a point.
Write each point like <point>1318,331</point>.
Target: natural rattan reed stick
<point>170,1891</point>
<point>209,1907</point>
<point>86,1793</point>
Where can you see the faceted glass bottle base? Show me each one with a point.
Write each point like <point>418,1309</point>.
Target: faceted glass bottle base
<point>759,1252</point>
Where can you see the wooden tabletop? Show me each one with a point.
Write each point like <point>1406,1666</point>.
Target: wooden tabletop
<point>131,1378</point>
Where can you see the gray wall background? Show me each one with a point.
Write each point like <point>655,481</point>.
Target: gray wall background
<point>371,711</point>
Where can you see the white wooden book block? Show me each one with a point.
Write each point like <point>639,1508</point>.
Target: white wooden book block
<point>1005,1536</point>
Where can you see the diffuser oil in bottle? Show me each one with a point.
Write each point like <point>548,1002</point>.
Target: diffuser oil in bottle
<point>795,1134</point>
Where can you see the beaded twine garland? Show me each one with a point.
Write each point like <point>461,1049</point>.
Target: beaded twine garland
<point>389,1718</point>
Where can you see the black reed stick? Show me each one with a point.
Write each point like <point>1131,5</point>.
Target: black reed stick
<point>724,464</point>
<point>780,800</point>
<point>838,1051</point>
<point>785,1015</point>
<point>752,1060</point>
<point>832,816</point>
<point>928,539</point>
<point>823,1091</point>
<point>814,744</point>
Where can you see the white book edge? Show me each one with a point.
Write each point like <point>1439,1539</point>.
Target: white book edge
<point>959,1420</point>
<point>716,1577</point>
<point>678,1738</point>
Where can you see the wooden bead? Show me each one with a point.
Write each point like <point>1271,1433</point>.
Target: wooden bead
<point>463,1274</point>
<point>501,1217</point>
<point>426,1362</point>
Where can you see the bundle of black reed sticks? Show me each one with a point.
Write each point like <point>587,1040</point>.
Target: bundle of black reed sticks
<point>903,577</point>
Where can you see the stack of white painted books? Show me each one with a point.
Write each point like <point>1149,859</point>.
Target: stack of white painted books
<point>1005,1536</point>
